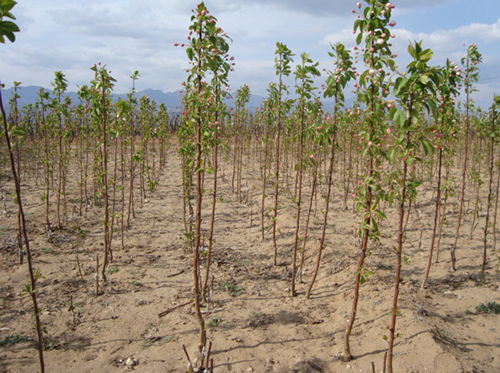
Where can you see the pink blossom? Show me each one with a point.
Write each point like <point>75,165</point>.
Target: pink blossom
<point>388,130</point>
<point>358,4</point>
<point>390,6</point>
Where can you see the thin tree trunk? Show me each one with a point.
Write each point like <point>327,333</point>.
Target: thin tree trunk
<point>436,215</point>
<point>31,270</point>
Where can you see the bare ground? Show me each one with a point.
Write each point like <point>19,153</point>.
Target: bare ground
<point>254,324</point>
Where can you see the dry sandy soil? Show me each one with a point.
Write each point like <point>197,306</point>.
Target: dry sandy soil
<point>255,325</point>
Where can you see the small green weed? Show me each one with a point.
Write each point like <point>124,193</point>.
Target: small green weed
<point>488,307</point>
<point>13,339</point>
<point>213,322</point>
<point>112,270</point>
<point>233,289</point>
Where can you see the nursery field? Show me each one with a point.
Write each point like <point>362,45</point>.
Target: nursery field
<point>319,232</point>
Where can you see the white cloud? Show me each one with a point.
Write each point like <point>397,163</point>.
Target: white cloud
<point>129,35</point>
<point>453,38</point>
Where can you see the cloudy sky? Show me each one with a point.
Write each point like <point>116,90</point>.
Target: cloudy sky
<point>128,35</point>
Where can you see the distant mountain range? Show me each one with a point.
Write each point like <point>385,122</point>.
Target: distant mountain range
<point>172,100</point>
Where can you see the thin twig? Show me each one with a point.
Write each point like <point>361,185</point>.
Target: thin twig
<point>166,312</point>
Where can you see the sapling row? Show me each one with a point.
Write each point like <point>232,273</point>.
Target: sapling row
<point>207,54</point>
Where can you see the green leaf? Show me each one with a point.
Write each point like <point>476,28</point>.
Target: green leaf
<point>359,38</point>
<point>18,132</point>
<point>412,52</point>
<point>6,5</point>
<point>399,85</point>
<point>424,79</point>
<point>426,55</point>
<point>427,147</point>
<point>8,26</point>
<point>399,118</point>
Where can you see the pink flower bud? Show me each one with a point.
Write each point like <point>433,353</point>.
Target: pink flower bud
<point>392,24</point>
<point>358,4</point>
